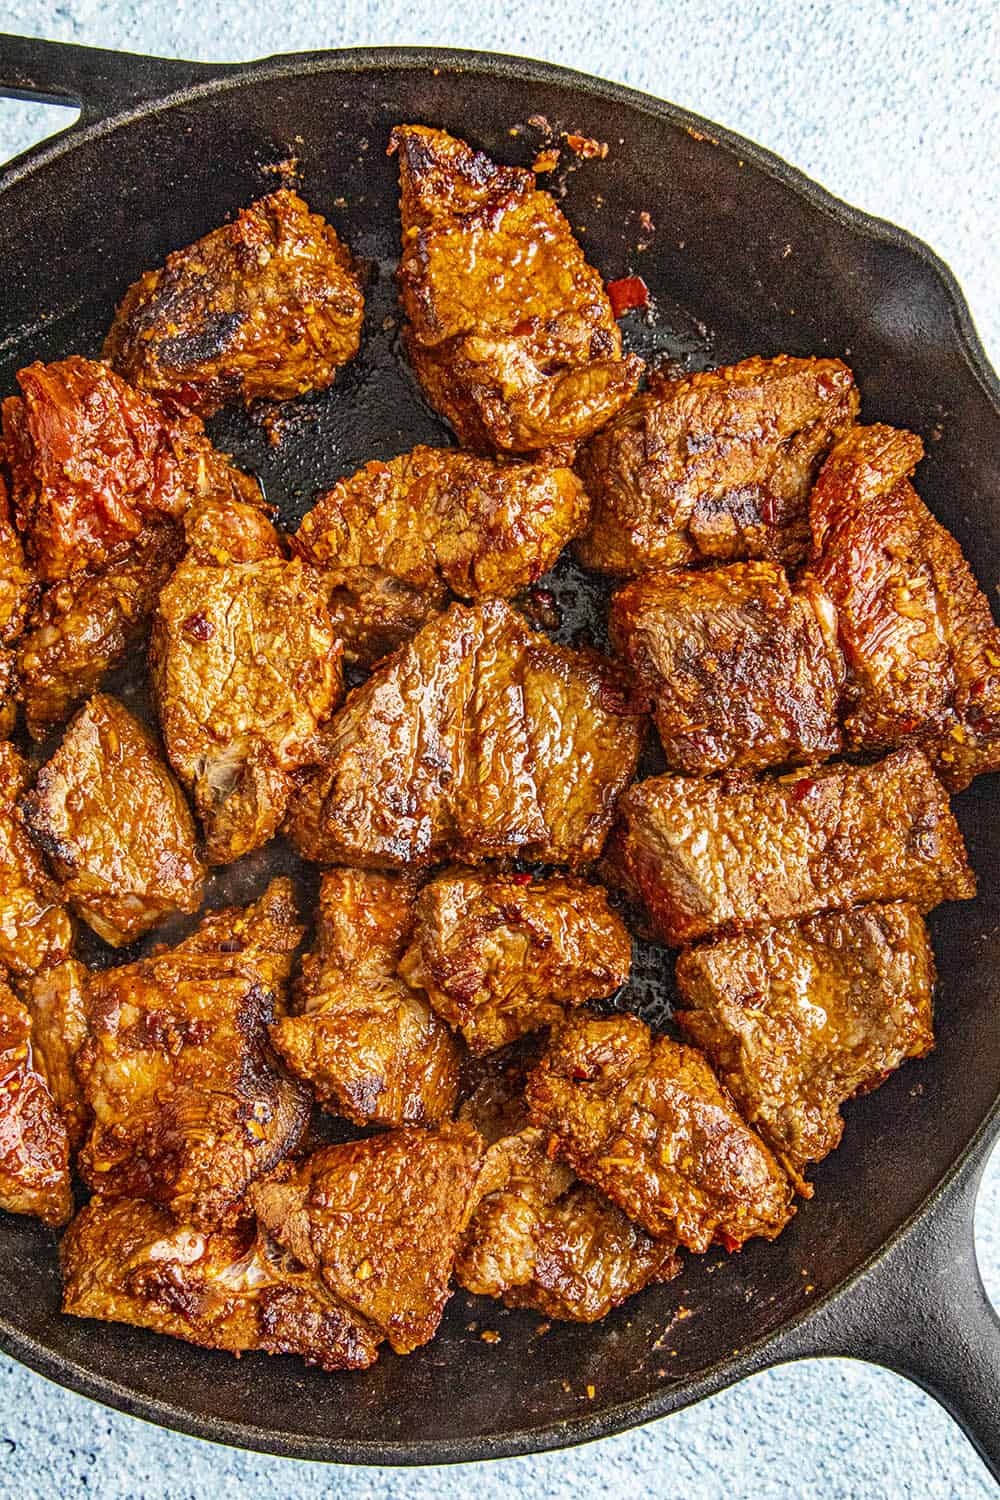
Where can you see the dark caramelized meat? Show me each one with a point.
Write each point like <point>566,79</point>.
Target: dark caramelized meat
<point>645,1121</point>
<point>509,329</point>
<point>34,1151</point>
<point>94,462</point>
<point>56,1002</point>
<point>115,826</point>
<point>86,625</point>
<point>922,649</point>
<point>478,739</point>
<point>392,540</point>
<point>246,665</point>
<point>706,857</point>
<point>501,955</point>
<point>801,1017</point>
<point>715,466</point>
<point>189,1103</point>
<point>35,928</point>
<point>371,1047</point>
<point>127,1261</point>
<point>379,1221</point>
<point>740,671</point>
<point>267,306</point>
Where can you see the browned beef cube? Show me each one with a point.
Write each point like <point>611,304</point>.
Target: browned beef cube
<point>35,928</point>
<point>56,1002</point>
<point>34,1149</point>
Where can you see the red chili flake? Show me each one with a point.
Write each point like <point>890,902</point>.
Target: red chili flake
<point>978,688</point>
<point>521,878</point>
<point>199,626</point>
<point>727,1242</point>
<point>768,510</point>
<point>802,788</point>
<point>627,293</point>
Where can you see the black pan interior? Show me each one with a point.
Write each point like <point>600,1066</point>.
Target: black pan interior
<point>739,261</point>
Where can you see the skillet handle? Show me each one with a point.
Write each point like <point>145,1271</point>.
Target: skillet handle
<point>101,82</point>
<point>922,1311</point>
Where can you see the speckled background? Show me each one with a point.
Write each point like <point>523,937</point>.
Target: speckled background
<point>895,107</point>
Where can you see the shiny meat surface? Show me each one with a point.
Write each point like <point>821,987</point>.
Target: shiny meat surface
<point>267,306</point>
<point>127,1261</point>
<point>404,533</point>
<point>643,1119</point>
<point>799,1018</point>
<point>114,825</point>
<point>86,625</point>
<point>93,462</point>
<point>18,586</point>
<point>35,928</point>
<point>34,1151</point>
<point>369,1045</point>
<point>715,466</point>
<point>502,955</point>
<point>706,857</point>
<point>741,671</point>
<point>510,331</point>
<point>189,1103</point>
<point>9,691</point>
<point>478,739</point>
<point>922,649</point>
<point>380,1221</point>
<point>56,1001</point>
<point>246,665</point>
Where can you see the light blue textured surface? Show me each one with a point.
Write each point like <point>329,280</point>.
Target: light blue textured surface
<point>895,107</point>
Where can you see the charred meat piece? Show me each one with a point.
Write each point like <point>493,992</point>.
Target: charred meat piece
<point>707,857</point>
<point>379,1221</point>
<point>922,649</point>
<point>246,665</point>
<point>714,467</point>
<point>478,739</point>
<point>643,1119</point>
<point>801,1017</point>
<point>114,824</point>
<point>85,626</point>
<point>94,462</point>
<point>510,331</point>
<point>35,928</point>
<point>56,1000</point>
<point>189,1103</point>
<point>34,1150</point>
<point>502,955</point>
<point>741,672</point>
<point>369,1045</point>
<point>269,306</point>
<point>126,1261</point>
<point>397,536</point>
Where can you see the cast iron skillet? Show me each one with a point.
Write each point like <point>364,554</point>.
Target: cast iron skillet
<point>747,256</point>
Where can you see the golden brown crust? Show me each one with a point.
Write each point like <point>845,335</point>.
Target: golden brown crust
<point>18,584</point>
<point>799,1018</point>
<point>114,825</point>
<point>502,955</point>
<point>715,466</point>
<point>34,1151</point>
<point>368,1044</point>
<point>35,928</point>
<point>707,857</point>
<point>269,306</point>
<point>56,1002</point>
<point>480,738</point>
<point>510,331</point>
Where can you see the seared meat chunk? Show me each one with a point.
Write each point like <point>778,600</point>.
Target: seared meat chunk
<point>127,1261</point>
<point>478,739</point>
<point>34,1151</point>
<point>115,826</point>
<point>800,1017</point>
<point>643,1119</point>
<point>56,1000</point>
<point>740,671</point>
<point>189,1103</point>
<point>267,306</point>
<point>502,955</point>
<point>35,928</point>
<point>85,626</point>
<point>379,1221</point>
<point>8,692</point>
<point>510,331</point>
<point>715,466</point>
<point>94,462</point>
<point>246,665</point>
<point>369,1045</point>
<point>706,857</point>
<point>922,649</point>
<point>18,585</point>
<point>392,540</point>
